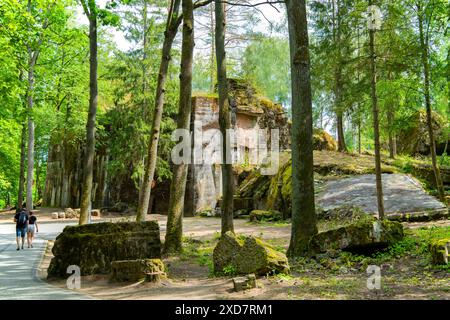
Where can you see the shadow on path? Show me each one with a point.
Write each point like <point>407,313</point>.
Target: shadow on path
<point>18,269</point>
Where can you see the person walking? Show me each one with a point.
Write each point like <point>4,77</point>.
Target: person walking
<point>21,220</point>
<point>32,228</point>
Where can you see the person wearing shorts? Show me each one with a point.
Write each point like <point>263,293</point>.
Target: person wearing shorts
<point>32,228</point>
<point>21,220</point>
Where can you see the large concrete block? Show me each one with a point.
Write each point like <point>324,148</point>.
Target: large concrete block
<point>93,247</point>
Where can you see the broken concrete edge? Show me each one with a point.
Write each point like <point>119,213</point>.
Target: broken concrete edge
<point>69,213</point>
<point>240,255</point>
<point>41,272</point>
<point>420,216</point>
<point>149,270</point>
<point>244,283</point>
<point>364,235</point>
<point>440,251</point>
<point>92,247</point>
<point>265,215</point>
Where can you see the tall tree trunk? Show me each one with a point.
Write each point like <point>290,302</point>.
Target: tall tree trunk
<point>342,146</point>
<point>338,85</point>
<point>30,153</point>
<point>448,83</point>
<point>171,30</point>
<point>144,62</point>
<point>173,241</point>
<point>359,137</point>
<point>426,74</point>
<point>38,172</point>
<point>448,104</point>
<point>23,144</point>
<point>390,122</point>
<point>376,124</point>
<point>213,50</point>
<point>224,121</point>
<point>392,137</point>
<point>304,224</point>
<point>90,127</point>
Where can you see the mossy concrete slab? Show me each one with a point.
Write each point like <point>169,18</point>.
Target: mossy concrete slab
<point>93,247</point>
<point>404,197</point>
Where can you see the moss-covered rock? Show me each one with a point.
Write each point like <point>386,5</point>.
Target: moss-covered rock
<point>260,258</point>
<point>364,235</point>
<point>440,251</point>
<point>263,215</point>
<point>93,247</point>
<point>71,213</point>
<point>322,140</point>
<point>280,190</point>
<point>343,213</point>
<point>225,252</point>
<point>254,186</point>
<point>244,283</point>
<point>136,270</point>
<point>414,138</point>
<point>248,255</point>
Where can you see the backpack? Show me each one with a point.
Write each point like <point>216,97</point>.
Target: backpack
<point>23,218</point>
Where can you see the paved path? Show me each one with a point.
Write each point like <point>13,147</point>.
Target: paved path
<point>402,194</point>
<point>18,269</point>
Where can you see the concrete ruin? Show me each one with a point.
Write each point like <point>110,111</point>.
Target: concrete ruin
<point>251,114</point>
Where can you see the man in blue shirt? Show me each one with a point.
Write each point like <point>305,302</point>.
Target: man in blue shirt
<point>21,220</point>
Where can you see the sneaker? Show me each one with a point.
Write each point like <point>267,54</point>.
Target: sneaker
<point>32,246</point>
<point>18,249</point>
<point>22,247</point>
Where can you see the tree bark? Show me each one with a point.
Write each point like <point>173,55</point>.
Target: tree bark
<point>304,224</point>
<point>30,151</point>
<point>145,108</point>
<point>338,85</point>
<point>213,49</point>
<point>390,123</point>
<point>171,30</point>
<point>426,75</point>
<point>392,137</point>
<point>342,146</point>
<point>376,123</point>
<point>88,168</point>
<point>174,232</point>
<point>359,135</point>
<point>224,121</point>
<point>23,145</point>
<point>448,105</point>
<point>38,172</point>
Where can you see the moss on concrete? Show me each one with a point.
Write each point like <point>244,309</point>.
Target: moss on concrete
<point>137,270</point>
<point>256,256</point>
<point>245,255</point>
<point>93,247</point>
<point>440,251</point>
<point>263,215</point>
<point>365,235</point>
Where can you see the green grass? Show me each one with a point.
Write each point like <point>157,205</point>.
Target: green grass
<point>229,271</point>
<point>198,251</point>
<point>402,161</point>
<point>268,223</point>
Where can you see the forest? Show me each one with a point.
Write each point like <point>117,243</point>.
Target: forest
<point>356,95</point>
